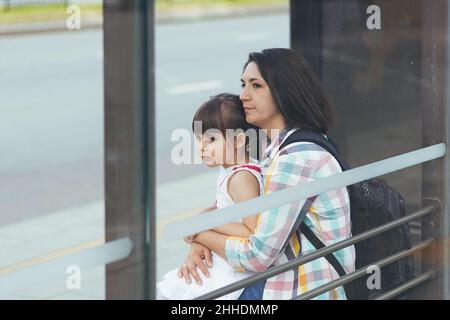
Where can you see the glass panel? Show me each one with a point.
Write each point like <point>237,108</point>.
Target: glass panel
<point>385,64</point>
<point>370,59</point>
<point>380,86</point>
<point>51,142</point>
<point>204,59</point>
<point>379,89</point>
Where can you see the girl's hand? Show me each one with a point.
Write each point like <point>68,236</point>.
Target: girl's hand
<point>194,259</point>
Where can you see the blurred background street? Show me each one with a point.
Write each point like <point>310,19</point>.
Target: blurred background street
<point>52,132</point>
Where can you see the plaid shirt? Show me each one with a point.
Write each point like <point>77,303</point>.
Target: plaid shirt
<point>329,218</point>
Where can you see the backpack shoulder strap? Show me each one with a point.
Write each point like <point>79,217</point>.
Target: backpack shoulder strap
<point>317,138</point>
<point>305,209</point>
<point>315,241</point>
<point>331,147</point>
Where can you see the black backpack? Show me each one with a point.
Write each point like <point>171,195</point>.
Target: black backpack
<point>372,203</point>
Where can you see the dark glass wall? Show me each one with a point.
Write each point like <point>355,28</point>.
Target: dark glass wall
<point>385,64</point>
<point>374,76</point>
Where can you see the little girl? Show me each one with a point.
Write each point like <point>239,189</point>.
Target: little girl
<point>240,179</point>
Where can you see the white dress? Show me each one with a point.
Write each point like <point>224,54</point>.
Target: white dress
<point>221,273</point>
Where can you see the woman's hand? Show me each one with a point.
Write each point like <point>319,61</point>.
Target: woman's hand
<point>189,239</point>
<point>194,259</point>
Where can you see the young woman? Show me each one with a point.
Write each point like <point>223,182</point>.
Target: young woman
<point>281,94</point>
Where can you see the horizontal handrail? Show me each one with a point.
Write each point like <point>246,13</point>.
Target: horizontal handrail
<point>407,285</point>
<point>361,272</point>
<point>103,254</point>
<point>316,254</point>
<point>274,200</point>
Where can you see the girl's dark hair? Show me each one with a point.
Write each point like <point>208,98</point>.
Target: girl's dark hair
<point>300,97</point>
<point>225,111</point>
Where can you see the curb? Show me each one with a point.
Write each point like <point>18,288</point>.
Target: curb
<point>220,13</point>
<point>193,15</point>
<point>49,26</point>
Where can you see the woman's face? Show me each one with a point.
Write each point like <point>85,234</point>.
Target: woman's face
<point>259,106</point>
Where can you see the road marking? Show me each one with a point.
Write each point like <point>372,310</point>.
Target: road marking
<point>194,87</point>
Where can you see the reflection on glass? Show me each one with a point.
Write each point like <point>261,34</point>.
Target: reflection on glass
<point>374,75</point>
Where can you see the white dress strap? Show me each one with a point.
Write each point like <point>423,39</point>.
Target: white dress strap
<point>223,198</point>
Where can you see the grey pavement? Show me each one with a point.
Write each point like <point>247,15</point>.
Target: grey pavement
<point>57,234</point>
<point>49,237</point>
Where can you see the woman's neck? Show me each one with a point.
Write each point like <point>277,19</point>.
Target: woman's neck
<point>274,128</point>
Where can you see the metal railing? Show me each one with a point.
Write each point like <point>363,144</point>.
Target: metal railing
<point>119,249</point>
<point>407,285</point>
<point>327,250</point>
<point>274,200</point>
<point>362,271</point>
<point>317,187</point>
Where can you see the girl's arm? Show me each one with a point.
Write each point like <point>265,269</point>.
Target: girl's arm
<point>234,229</point>
<point>241,186</point>
<point>189,239</point>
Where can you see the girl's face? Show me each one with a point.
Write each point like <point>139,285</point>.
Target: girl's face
<point>215,150</point>
<point>259,106</point>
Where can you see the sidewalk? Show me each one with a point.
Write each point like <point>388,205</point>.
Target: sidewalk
<point>58,234</point>
<point>191,15</point>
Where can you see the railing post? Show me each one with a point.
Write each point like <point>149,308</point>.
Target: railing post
<point>129,144</point>
<point>435,175</point>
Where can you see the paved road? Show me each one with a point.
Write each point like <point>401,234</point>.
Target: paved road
<point>51,93</point>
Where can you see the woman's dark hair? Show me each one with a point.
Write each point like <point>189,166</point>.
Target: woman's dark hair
<point>300,97</point>
<point>223,111</point>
